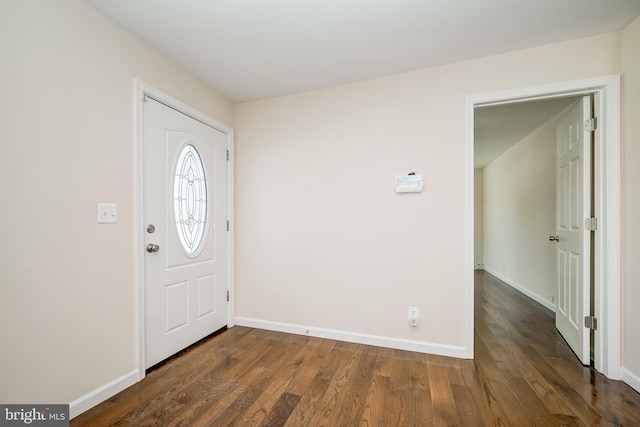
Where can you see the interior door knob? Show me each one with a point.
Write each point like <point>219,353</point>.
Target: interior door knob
<point>554,238</point>
<point>151,247</point>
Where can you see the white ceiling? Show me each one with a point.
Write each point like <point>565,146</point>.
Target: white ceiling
<point>498,128</point>
<point>252,49</point>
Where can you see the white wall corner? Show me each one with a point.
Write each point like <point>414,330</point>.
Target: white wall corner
<point>631,379</point>
<point>99,395</point>
<point>537,298</point>
<point>375,340</point>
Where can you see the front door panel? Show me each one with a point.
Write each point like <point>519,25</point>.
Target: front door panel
<point>185,230</point>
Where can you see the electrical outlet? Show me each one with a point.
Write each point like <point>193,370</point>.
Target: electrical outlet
<point>414,316</point>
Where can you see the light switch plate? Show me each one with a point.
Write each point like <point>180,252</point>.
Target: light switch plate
<point>107,213</point>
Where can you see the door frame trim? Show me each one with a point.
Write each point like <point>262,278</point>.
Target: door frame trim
<point>607,198</point>
<point>142,89</point>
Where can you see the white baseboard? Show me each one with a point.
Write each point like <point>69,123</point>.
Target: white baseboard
<point>379,341</point>
<point>99,395</point>
<point>631,379</point>
<point>537,298</point>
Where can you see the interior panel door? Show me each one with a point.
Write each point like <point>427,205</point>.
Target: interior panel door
<point>573,245</point>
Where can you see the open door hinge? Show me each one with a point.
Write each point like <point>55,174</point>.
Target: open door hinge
<point>591,322</point>
<point>591,224</point>
<point>228,155</point>
<point>227,296</point>
<point>591,124</point>
<point>227,225</point>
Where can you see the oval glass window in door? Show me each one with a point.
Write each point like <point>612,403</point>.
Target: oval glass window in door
<point>190,199</point>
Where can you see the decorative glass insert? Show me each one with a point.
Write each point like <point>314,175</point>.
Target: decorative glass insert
<point>190,199</point>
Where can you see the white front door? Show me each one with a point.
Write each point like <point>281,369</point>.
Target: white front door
<point>573,242</point>
<point>185,225</point>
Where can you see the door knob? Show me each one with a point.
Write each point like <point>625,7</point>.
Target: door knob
<point>151,247</point>
<point>554,238</point>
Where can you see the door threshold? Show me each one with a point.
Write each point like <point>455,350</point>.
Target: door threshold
<point>184,350</point>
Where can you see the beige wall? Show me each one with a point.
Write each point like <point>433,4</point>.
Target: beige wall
<point>67,284</point>
<point>478,218</point>
<point>631,200</point>
<point>520,214</point>
<point>322,239</point>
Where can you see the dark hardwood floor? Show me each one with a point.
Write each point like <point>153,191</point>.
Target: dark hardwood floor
<point>523,374</point>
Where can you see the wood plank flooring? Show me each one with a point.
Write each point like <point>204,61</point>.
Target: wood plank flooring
<point>523,374</point>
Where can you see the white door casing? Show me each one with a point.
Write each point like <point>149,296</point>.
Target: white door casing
<point>185,294</point>
<point>607,205</point>
<point>573,245</point>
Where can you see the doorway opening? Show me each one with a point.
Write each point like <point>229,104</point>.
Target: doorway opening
<point>606,191</point>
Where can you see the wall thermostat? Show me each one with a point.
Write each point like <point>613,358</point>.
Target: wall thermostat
<point>410,183</point>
